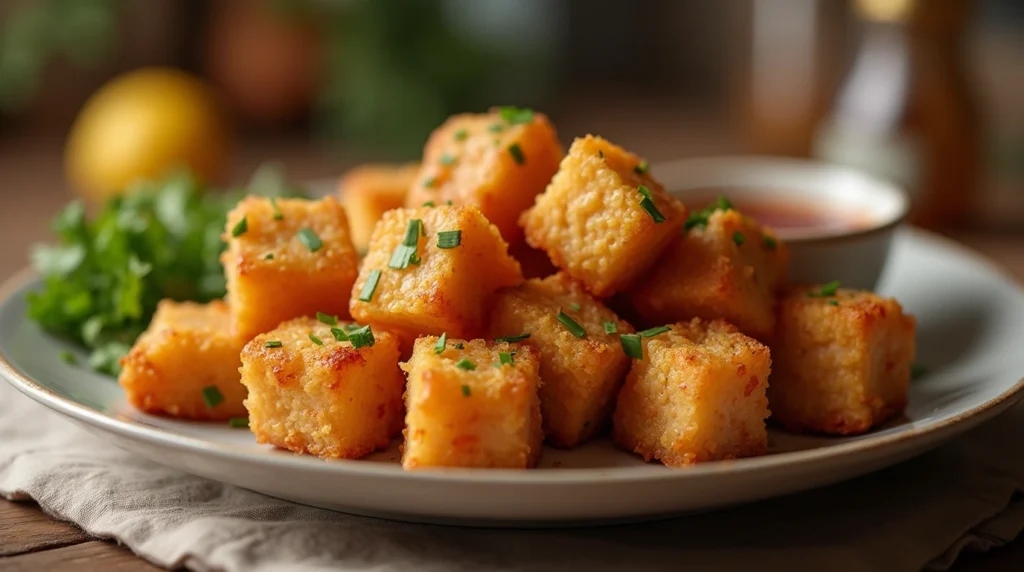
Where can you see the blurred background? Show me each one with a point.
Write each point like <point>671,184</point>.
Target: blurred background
<point>928,93</point>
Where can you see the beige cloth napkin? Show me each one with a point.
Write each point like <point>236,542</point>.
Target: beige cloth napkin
<point>920,514</point>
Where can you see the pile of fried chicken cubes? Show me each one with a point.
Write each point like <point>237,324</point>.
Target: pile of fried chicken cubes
<point>490,299</point>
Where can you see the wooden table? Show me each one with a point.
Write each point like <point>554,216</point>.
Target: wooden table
<point>34,189</point>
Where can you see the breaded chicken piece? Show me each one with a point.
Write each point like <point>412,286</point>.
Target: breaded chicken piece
<point>368,191</point>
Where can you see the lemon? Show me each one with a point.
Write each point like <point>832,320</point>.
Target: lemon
<point>142,124</point>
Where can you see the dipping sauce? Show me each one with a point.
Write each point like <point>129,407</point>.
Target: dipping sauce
<point>787,214</point>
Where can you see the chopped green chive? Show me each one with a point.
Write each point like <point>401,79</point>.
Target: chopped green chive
<point>406,253</point>
<point>571,325</point>
<point>496,128</point>
<point>574,307</point>
<point>339,335</point>
<point>351,327</point>
<point>507,358</point>
<point>631,345</point>
<point>641,168</point>
<point>278,215</point>
<point>272,344</point>
<point>826,291</point>
<point>429,204</point>
<point>600,153</point>
<point>654,331</point>
<point>769,243</point>
<point>738,238</point>
<point>461,135</point>
<point>515,115</point>
<point>268,256</point>
<point>447,159</point>
<point>429,182</point>
<point>833,302</point>
<point>512,339</point>
<point>917,371</point>
<point>240,227</point>
<point>459,346</point>
<point>465,364</point>
<point>700,218</point>
<point>442,343</point>
<point>647,203</point>
<point>315,339</point>
<point>238,422</point>
<point>361,337</point>
<point>449,238</point>
<point>212,396</point>
<point>310,240</point>
<point>465,391</point>
<point>327,319</point>
<point>610,328</point>
<point>366,294</point>
<point>448,202</point>
<point>517,153</point>
<point>68,357</point>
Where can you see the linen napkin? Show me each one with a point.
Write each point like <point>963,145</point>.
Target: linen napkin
<point>920,514</point>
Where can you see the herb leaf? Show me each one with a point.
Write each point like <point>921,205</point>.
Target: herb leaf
<point>361,337</point>
<point>442,344</point>
<point>239,422</point>
<point>515,115</point>
<point>366,294</point>
<point>632,346</point>
<point>315,339</point>
<point>240,227</point>
<point>309,239</point>
<point>449,238</point>
<point>407,252</point>
<point>610,328</point>
<point>507,358</point>
<point>572,325</point>
<point>654,331</point>
<point>641,168</point>
<point>465,391</point>
<point>212,396</point>
<point>327,319</point>
<point>769,242</point>
<point>738,238</point>
<point>465,364</point>
<point>512,339</point>
<point>272,344</point>
<point>700,218</point>
<point>826,291</point>
<point>517,153</point>
<point>647,203</point>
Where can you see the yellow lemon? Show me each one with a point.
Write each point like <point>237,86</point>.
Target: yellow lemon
<point>140,125</point>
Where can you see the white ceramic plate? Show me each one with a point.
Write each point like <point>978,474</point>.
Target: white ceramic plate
<point>971,323</point>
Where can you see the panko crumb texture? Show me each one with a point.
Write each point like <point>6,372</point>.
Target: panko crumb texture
<point>467,407</point>
<point>487,161</point>
<point>289,258</point>
<point>729,269</point>
<point>186,349</point>
<point>842,362</point>
<point>697,395</point>
<point>327,399</point>
<point>447,290</point>
<point>590,220</point>
<point>581,376</point>
<point>368,191</point>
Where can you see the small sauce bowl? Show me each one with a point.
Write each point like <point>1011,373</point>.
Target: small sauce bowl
<point>837,222</point>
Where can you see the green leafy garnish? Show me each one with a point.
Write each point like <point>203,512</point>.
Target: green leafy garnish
<point>159,239</point>
<point>238,422</point>
<point>461,135</point>
<point>407,252</point>
<point>429,204</point>
<point>465,391</point>
<point>447,159</point>
<point>833,302</point>
<point>512,339</point>
<point>495,128</point>
<point>366,294</point>
<point>654,331</point>
<point>240,227</point>
<point>339,335</point>
<point>738,238</point>
<point>632,346</point>
<point>361,337</point>
<point>700,218</point>
<point>647,203</point>
<point>449,238</point>
<point>826,290</point>
<point>571,325</point>
<point>212,396</point>
<point>429,182</point>
<point>610,328</point>
<point>327,319</point>
<point>309,239</point>
<point>574,307</point>
<point>641,168</point>
<point>272,344</point>
<point>517,153</point>
<point>442,343</point>
<point>515,115</point>
<point>507,358</point>
<point>770,243</point>
<point>278,215</point>
<point>313,337</point>
<point>465,364</point>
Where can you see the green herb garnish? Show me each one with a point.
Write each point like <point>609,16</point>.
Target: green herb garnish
<point>826,291</point>
<point>461,135</point>
<point>496,128</point>
<point>738,238</point>
<point>315,339</point>
<point>769,242</point>
<point>465,364</point>
<point>278,215</point>
<point>429,182</point>
<point>649,333</point>
<point>239,422</point>
<point>407,252</point>
<point>212,396</point>
<point>268,256</point>
<point>600,153</point>
<point>429,204</point>
<point>272,344</point>
<point>574,307</point>
<point>632,346</point>
<point>442,343</point>
<point>610,328</point>
<point>361,337</point>
<point>447,159</point>
<point>507,358</point>
<point>700,218</point>
<point>449,238</point>
<point>465,391</point>
<point>512,339</point>
<point>366,294</point>
<point>641,168</point>
<point>647,203</point>
<point>240,227</point>
<point>571,325</point>
<point>309,239</point>
<point>517,153</point>
<point>515,115</point>
<point>327,319</point>
<point>833,302</point>
<point>339,335</point>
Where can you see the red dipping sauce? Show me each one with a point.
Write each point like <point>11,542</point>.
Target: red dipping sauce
<point>787,214</point>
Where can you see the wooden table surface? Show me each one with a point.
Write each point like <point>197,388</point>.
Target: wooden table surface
<point>34,189</point>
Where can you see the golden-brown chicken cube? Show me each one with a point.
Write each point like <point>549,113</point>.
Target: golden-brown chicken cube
<point>369,191</point>
<point>472,404</point>
<point>603,219</point>
<point>727,267</point>
<point>697,395</point>
<point>310,392</point>
<point>431,270</point>
<point>842,360</point>
<point>286,258</point>
<point>186,363</point>
<point>581,361</point>
<point>497,161</point>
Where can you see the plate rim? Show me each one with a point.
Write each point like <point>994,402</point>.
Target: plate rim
<point>166,437</point>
